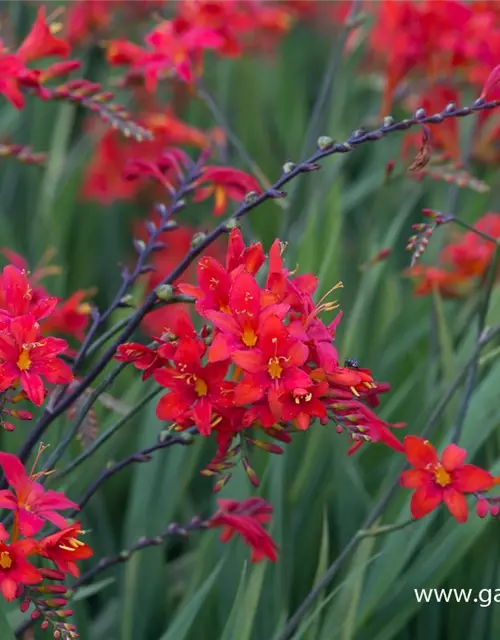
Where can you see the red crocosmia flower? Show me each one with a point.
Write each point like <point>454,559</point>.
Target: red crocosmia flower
<point>224,183</point>
<point>70,317</point>
<point>64,549</point>
<point>240,328</point>
<point>144,358</point>
<point>274,366</point>
<point>32,504</point>
<point>301,405</point>
<point>239,255</point>
<point>26,356</point>
<point>11,71</point>
<point>427,278</point>
<point>214,285</point>
<point>194,388</point>
<point>15,570</point>
<point>17,297</point>
<point>40,43</point>
<point>246,519</point>
<point>436,480</point>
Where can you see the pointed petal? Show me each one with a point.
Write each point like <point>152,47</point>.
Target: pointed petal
<point>33,385</point>
<point>425,499</point>
<point>220,349</point>
<point>29,523</point>
<point>419,452</point>
<point>414,478</point>
<point>14,472</point>
<point>470,478</point>
<point>202,414</point>
<point>252,361</point>
<point>457,504</point>
<point>453,457</point>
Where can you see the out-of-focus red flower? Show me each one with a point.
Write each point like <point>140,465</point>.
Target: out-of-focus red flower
<point>246,519</point>
<point>15,75</point>
<point>106,176</point>
<point>31,503</point>
<point>15,570</point>
<point>463,261</point>
<point>70,317</point>
<point>441,480</point>
<point>224,183</point>
<point>65,549</point>
<point>26,357</point>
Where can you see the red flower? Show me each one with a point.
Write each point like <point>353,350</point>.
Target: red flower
<point>64,549</point>
<point>194,388</point>
<point>240,328</point>
<point>71,317</point>
<point>144,358</point>
<point>300,405</point>
<point>225,183</point>
<point>436,480</point>
<point>238,254</point>
<point>26,357</point>
<point>32,504</point>
<point>274,365</point>
<point>40,43</point>
<point>18,298</point>
<point>15,570</point>
<point>246,518</point>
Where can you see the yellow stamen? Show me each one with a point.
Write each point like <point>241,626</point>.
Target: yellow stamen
<point>441,476</point>
<point>248,337</point>
<point>24,360</point>
<point>200,386</point>
<point>274,368</point>
<point>5,560</point>
<point>353,389</point>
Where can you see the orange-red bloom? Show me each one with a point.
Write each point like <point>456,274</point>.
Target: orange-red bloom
<point>31,503</point>
<point>26,357</point>
<point>65,549</point>
<point>246,519</point>
<point>15,570</point>
<point>224,183</point>
<point>441,480</point>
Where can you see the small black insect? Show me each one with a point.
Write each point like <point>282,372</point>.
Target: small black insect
<point>350,363</point>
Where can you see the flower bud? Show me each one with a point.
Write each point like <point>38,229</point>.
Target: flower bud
<point>197,239</point>
<point>251,197</point>
<point>288,167</point>
<point>325,142</point>
<point>482,507</point>
<point>165,292</point>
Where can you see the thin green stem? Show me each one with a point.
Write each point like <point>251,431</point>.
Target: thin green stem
<point>469,227</point>
<point>387,528</point>
<point>97,444</point>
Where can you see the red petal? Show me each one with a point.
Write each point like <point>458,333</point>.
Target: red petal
<point>252,361</point>
<point>170,406</point>
<point>456,503</point>
<point>202,414</point>
<point>220,349</point>
<point>470,478</point>
<point>14,472</point>
<point>425,499</point>
<point>244,299</point>
<point>33,385</point>
<point>419,452</point>
<point>453,457</point>
<point>492,80</point>
<point>414,478</point>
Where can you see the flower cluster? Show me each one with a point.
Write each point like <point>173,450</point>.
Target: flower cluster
<point>263,360</point>
<point>462,263</point>
<point>32,508</point>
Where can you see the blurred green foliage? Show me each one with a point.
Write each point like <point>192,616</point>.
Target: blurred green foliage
<point>338,218</point>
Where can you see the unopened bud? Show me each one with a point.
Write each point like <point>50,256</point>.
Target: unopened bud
<point>482,507</point>
<point>233,223</point>
<point>325,142</point>
<point>251,197</point>
<point>288,167</point>
<point>250,473</point>
<point>388,121</point>
<point>419,114</point>
<point>165,292</point>
<point>198,238</point>
<point>221,482</point>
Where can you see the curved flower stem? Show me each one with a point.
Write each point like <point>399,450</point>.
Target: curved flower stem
<point>469,227</point>
<point>386,528</point>
<point>173,529</point>
<point>379,508</point>
<point>165,440</point>
<point>310,164</point>
<point>106,435</point>
<point>472,372</point>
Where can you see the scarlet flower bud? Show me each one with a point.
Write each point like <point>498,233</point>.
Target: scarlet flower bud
<point>482,507</point>
<point>52,574</point>
<point>250,473</point>
<point>56,602</point>
<point>494,509</point>
<point>25,605</point>
<point>221,482</point>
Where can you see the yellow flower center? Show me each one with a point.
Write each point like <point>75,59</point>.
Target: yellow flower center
<point>24,360</point>
<point>5,560</point>
<point>248,337</point>
<point>441,476</point>
<point>274,368</point>
<point>200,386</point>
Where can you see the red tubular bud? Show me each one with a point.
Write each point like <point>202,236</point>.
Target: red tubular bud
<point>56,602</point>
<point>250,473</point>
<point>482,507</point>
<point>52,574</point>
<point>24,606</point>
<point>494,509</point>
<point>35,614</point>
